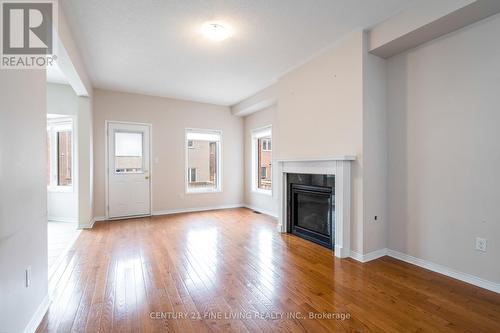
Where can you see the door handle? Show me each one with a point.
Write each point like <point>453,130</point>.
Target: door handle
<point>147,177</point>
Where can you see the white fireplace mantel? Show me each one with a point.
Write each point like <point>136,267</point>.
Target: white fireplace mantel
<point>340,166</point>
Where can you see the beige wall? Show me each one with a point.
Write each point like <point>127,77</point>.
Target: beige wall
<point>444,150</point>
<point>320,114</point>
<point>170,118</point>
<point>85,162</point>
<point>374,153</point>
<point>23,196</point>
<point>334,105</point>
<point>259,201</point>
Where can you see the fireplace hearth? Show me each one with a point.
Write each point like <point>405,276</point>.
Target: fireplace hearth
<point>311,207</point>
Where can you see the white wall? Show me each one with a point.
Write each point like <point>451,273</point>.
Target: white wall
<point>170,118</point>
<point>261,202</point>
<point>61,205</point>
<point>72,65</point>
<point>444,150</point>
<point>77,205</point>
<point>23,196</point>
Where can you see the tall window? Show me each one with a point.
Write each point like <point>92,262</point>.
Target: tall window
<point>262,160</point>
<point>59,153</point>
<point>203,156</point>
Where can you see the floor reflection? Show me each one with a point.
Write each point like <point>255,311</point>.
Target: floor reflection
<point>202,255</point>
<point>265,263</point>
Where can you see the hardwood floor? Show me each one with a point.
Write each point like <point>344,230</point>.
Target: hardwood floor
<point>138,275</point>
<point>60,237</point>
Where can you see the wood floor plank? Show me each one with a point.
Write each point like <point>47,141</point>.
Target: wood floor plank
<point>231,271</point>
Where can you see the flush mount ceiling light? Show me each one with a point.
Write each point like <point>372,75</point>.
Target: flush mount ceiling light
<point>215,31</point>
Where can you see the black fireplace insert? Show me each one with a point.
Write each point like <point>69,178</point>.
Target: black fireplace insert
<point>311,207</point>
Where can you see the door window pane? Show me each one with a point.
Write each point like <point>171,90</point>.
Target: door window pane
<point>128,152</point>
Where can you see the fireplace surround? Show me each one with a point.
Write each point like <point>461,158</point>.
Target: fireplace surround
<point>340,168</point>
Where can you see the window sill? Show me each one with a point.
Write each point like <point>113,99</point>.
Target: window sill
<point>260,191</point>
<point>203,191</point>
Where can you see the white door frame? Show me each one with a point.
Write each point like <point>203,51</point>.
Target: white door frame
<point>106,167</point>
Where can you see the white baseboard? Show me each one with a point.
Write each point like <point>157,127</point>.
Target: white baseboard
<point>477,281</point>
<point>342,252</point>
<point>62,219</point>
<point>474,280</point>
<point>369,256</point>
<point>37,317</point>
<point>178,211</point>
<point>263,211</point>
<point>195,209</point>
<point>89,225</point>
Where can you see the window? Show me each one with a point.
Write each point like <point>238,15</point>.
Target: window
<point>266,144</point>
<point>128,152</point>
<point>59,153</point>
<point>262,160</point>
<point>203,156</point>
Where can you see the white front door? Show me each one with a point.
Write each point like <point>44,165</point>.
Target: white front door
<point>129,183</point>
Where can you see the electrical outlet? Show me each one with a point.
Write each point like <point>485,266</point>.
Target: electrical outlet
<point>481,244</point>
<point>28,276</point>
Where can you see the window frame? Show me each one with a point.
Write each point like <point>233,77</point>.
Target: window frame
<point>54,126</point>
<point>256,134</point>
<point>219,169</point>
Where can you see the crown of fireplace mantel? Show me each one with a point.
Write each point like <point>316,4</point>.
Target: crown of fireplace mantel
<point>340,166</point>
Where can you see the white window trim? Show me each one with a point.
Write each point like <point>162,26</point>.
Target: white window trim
<point>258,133</point>
<point>186,161</point>
<point>54,125</point>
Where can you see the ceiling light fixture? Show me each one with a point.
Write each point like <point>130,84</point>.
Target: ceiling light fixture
<point>215,31</point>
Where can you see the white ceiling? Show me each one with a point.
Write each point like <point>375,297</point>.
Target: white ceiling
<point>154,47</point>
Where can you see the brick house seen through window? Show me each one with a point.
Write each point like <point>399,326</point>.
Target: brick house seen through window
<point>264,163</point>
<point>59,152</point>
<point>203,155</point>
